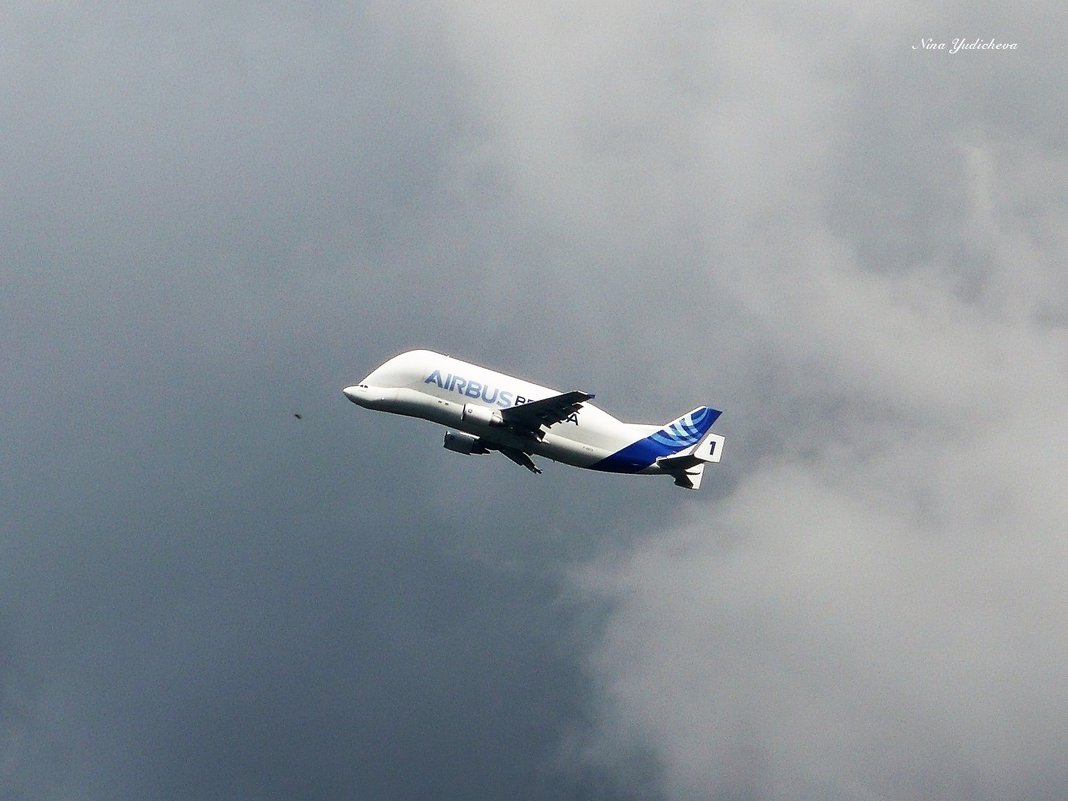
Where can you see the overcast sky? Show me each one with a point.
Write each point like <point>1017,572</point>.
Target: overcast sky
<point>213,218</point>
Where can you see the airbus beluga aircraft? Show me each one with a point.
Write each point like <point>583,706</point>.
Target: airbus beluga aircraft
<point>495,412</point>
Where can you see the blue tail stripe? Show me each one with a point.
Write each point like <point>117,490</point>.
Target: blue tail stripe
<point>688,426</point>
<point>675,436</point>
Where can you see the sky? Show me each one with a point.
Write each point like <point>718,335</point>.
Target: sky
<point>213,217</point>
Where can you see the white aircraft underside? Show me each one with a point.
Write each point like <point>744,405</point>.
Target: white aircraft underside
<point>493,411</point>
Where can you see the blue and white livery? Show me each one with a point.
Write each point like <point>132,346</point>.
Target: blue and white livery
<point>492,411</point>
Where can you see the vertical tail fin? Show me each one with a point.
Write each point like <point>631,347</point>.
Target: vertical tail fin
<point>686,431</point>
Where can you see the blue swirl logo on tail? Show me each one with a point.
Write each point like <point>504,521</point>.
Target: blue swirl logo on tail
<point>685,431</point>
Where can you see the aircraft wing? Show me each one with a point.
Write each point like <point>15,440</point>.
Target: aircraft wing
<point>529,418</point>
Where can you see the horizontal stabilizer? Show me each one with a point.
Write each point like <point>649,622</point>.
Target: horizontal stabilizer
<point>689,478</point>
<point>709,449</point>
<point>688,466</point>
<point>672,463</point>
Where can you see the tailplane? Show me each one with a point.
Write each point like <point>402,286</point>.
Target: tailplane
<point>697,447</point>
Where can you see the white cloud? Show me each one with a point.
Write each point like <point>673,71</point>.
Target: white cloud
<point>859,624</point>
<point>879,610</point>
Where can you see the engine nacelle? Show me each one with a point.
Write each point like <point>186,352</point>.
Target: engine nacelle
<point>463,443</point>
<point>473,413</point>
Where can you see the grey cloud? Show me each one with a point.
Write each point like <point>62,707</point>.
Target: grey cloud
<point>871,612</point>
<point>221,218</point>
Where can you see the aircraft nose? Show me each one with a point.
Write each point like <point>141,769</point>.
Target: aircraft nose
<point>353,393</point>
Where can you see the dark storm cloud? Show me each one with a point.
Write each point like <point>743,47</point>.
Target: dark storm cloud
<point>215,218</point>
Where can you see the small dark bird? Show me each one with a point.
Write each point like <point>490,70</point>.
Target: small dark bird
<point>297,415</point>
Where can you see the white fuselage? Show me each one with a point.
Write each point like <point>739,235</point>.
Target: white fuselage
<point>435,387</point>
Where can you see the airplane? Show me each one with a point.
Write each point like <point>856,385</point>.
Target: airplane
<point>492,411</point>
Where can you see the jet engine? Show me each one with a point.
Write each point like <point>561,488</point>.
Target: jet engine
<point>473,413</point>
<point>464,443</point>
